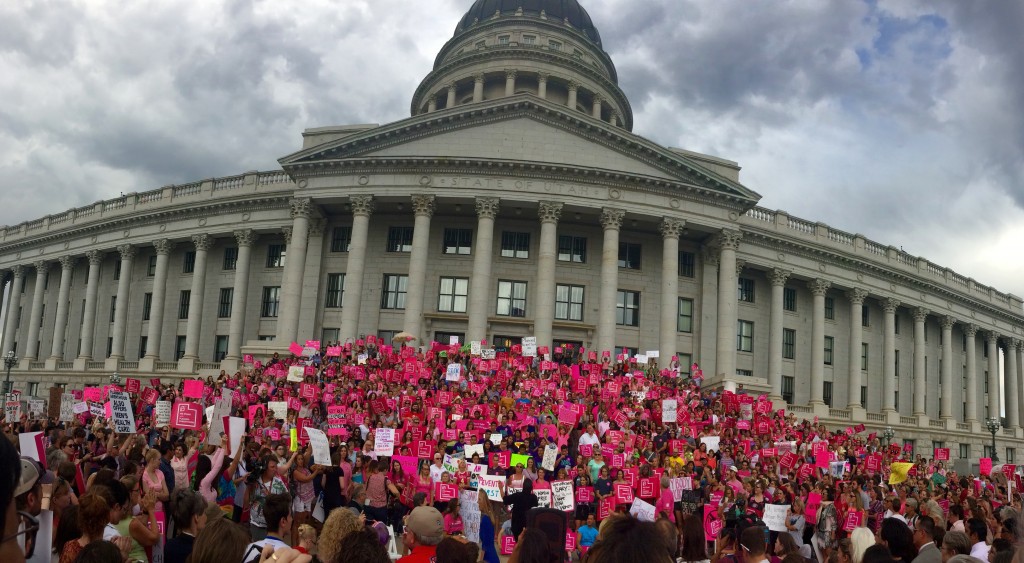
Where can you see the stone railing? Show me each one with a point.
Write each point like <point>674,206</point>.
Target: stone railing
<point>207,365</point>
<point>95,365</point>
<point>842,414</point>
<point>128,365</point>
<point>908,420</point>
<point>65,365</point>
<point>936,423</point>
<point>170,366</point>
<point>875,417</point>
<point>963,426</point>
<point>36,365</point>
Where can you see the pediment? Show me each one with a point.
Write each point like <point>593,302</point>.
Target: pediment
<point>521,129</point>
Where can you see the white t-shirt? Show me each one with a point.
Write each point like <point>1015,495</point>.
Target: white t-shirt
<point>255,549</point>
<point>435,473</point>
<point>590,440</point>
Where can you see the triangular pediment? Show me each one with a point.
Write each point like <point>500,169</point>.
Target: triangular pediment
<point>522,129</point>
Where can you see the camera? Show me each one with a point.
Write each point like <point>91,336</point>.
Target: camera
<point>255,472</point>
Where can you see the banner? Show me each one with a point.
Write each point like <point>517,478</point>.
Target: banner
<point>186,416</point>
<point>121,411</point>
<point>899,470</point>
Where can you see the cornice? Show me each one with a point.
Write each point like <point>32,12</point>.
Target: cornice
<point>830,256</point>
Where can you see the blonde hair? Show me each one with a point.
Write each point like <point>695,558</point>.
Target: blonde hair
<point>152,455</point>
<point>340,523</point>
<point>307,532</point>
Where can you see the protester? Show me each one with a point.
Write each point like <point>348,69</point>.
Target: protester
<point>340,523</point>
<point>188,509</point>
<point>221,541</point>
<point>278,515</point>
<point>424,529</point>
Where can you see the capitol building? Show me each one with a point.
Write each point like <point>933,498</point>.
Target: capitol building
<point>516,201</point>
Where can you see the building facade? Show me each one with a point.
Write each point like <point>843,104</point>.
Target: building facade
<point>516,201</point>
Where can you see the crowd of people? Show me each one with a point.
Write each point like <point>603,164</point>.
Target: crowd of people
<point>373,451</point>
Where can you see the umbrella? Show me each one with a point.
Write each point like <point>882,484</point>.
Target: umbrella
<point>403,337</point>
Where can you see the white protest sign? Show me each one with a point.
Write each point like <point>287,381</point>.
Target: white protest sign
<point>550,453</point>
<point>642,510</point>
<point>488,354</point>
<point>12,407</point>
<point>543,497</point>
<point>837,468</point>
<point>474,347</point>
<point>474,449</point>
<point>492,486</point>
<point>121,413</point>
<point>67,407</point>
<point>97,410</point>
<point>81,407</point>
<point>676,486</point>
<point>453,372</point>
<point>641,359</point>
<point>163,413</point>
<point>653,353</point>
<point>36,408</point>
<point>295,374</point>
<point>775,516</point>
<point>32,446</point>
<point>477,468</point>
<point>383,442</point>
<point>469,510</point>
<point>495,439</point>
<point>309,351</point>
<point>215,416</point>
<point>711,442</point>
<point>529,346</point>
<point>562,496</point>
<point>236,431</point>
<point>668,410</point>
<point>321,448</point>
<point>453,340</point>
<point>279,408</point>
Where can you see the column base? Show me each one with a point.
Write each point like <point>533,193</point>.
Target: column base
<point>187,364</point>
<point>948,422</point>
<point>857,413</point>
<point>922,420</point>
<point>147,364</point>
<point>975,426</point>
<point>819,408</point>
<point>112,363</point>
<point>78,364</point>
<point>24,363</point>
<point>51,363</point>
<point>891,416</point>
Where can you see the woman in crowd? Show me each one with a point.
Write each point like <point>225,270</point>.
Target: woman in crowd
<point>305,495</point>
<point>188,510</point>
<point>153,482</point>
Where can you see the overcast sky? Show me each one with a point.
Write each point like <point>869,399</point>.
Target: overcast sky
<point>899,120</point>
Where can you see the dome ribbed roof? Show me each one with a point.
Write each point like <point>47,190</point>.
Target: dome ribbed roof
<point>557,10</point>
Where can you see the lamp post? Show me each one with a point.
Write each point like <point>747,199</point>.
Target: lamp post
<point>10,360</point>
<point>993,426</point>
<point>888,433</point>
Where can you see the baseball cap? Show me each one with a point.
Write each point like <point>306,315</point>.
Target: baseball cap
<point>31,473</point>
<point>426,522</point>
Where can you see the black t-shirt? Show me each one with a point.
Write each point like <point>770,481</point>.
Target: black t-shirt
<point>521,503</point>
<point>332,488</point>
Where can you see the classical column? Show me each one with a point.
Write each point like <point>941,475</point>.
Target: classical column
<point>971,332</point>
<point>778,279</point>
<point>1020,381</point>
<point>432,103</point>
<point>889,390</point>
<point>294,267</point>
<point>542,86</point>
<point>920,315</point>
<point>92,286</point>
<point>362,208</point>
<point>596,111</point>
<point>11,325</point>
<point>669,338</point>
<point>819,288</point>
<point>725,350</point>
<point>856,297</point>
<point>67,266</point>
<point>550,212</point>
<point>1010,379</point>
<point>158,303</point>
<point>992,339</point>
<point>423,207</point>
<point>236,327</point>
<point>124,284</point>
<point>611,221</point>
<point>478,88</point>
<point>510,82</point>
<point>450,102</point>
<point>195,310</point>
<point>946,377</point>
<point>35,317</point>
<point>480,282</point>
<point>573,88</point>
<point>614,119</point>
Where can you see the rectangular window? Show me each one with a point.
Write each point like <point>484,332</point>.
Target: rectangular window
<point>46,281</point>
<point>453,296</point>
<point>42,315</point>
<point>629,255</point>
<point>789,343</point>
<point>529,40</point>
<point>188,265</point>
<point>687,264</point>
<point>787,388</point>
<point>227,295</point>
<point>627,308</point>
<point>864,356</point>
<point>330,335</point>
<point>829,346</point>
<point>826,392</point>
<point>512,298</point>
<point>864,396</point>
<point>341,239</point>
<point>745,336</point>
<point>554,45</point>
<point>151,266</point>
<point>684,323</point>
<point>335,294</point>
<point>271,300</point>
<point>117,271</point>
<point>276,254</point>
<point>745,290</point>
<point>458,241</point>
<point>394,289</point>
<point>33,390</point>
<point>147,306</point>
<point>865,316</point>
<point>143,342</point>
<point>110,345</point>
<point>745,372</point>
<point>230,258</point>
<point>179,347</point>
<point>399,239</point>
<point>515,245</point>
<point>965,451</point>
<point>220,347</point>
<point>1011,454</point>
<point>183,301</point>
<point>113,310</point>
<point>788,299</point>
<point>896,320</point>
<point>830,308</point>
<point>503,40</point>
<point>685,363</point>
<point>569,302</point>
<point>572,249</point>
<point>626,351</point>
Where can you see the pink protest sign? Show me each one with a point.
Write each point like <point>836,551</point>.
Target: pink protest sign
<point>508,544</point>
<point>941,454</point>
<point>985,466</point>
<point>295,348</point>
<point>133,385</point>
<point>186,416</point>
<point>193,389</point>
<point>93,394</point>
<point>712,524</point>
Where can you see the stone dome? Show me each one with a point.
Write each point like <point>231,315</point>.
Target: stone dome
<point>558,10</point>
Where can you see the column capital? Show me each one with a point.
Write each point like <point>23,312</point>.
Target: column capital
<point>778,276</point>
<point>478,77</point>
<point>162,246</point>
<point>889,305</point>
<point>18,271</point>
<point>127,251</point>
<point>970,330</point>
<point>549,211</point>
<point>819,287</point>
<point>510,73</point>
<point>947,322</point>
<point>857,295</point>
<point>316,227</point>
<point>598,99</point>
<point>361,204</point>
<point>301,207</point>
<point>202,242</point>
<point>487,207</point>
<point>921,314</point>
<point>729,239</point>
<point>245,237</point>
<point>573,85</point>
<point>67,262</point>
<point>42,266</point>
<point>542,77</point>
<point>1012,343</point>
<point>94,257</point>
<point>992,337</point>
<point>710,254</point>
<point>449,85</point>
<point>671,227</point>
<point>611,218</point>
<point>423,204</point>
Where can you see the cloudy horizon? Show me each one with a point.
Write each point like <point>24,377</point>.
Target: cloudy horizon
<point>898,120</point>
